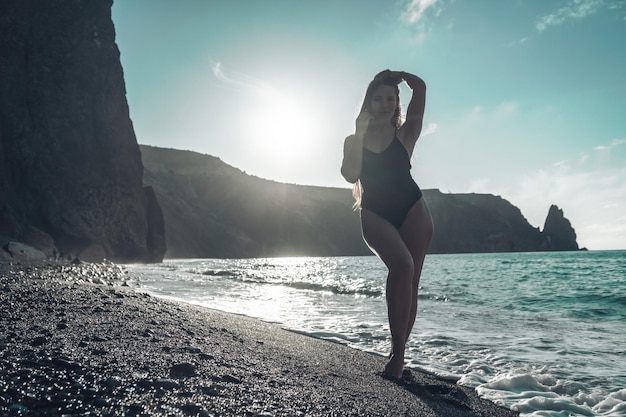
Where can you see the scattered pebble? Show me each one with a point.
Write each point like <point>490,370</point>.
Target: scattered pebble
<point>167,384</point>
<point>183,370</point>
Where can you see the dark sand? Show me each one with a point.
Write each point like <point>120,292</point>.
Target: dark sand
<point>70,346</point>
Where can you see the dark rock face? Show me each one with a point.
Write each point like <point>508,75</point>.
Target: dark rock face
<point>558,231</point>
<point>156,230</point>
<point>479,223</point>
<point>70,165</point>
<point>214,210</point>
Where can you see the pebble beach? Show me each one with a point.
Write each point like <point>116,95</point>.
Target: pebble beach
<point>76,341</point>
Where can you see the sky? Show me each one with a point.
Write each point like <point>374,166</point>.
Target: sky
<point>526,99</point>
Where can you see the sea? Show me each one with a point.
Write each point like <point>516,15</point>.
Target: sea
<point>543,333</point>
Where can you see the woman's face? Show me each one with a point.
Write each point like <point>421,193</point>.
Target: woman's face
<point>384,102</point>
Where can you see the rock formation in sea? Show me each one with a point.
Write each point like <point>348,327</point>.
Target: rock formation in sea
<point>70,166</point>
<point>212,209</point>
<point>558,231</point>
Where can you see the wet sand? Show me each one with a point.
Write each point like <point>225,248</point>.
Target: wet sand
<point>75,341</point>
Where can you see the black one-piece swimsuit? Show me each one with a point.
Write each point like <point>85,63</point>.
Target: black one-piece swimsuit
<point>388,188</point>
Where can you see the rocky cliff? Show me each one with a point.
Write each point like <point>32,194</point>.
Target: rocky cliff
<point>473,223</point>
<point>558,231</point>
<point>214,210</point>
<point>70,166</point>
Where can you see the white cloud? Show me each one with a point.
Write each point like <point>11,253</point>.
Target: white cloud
<point>481,185</point>
<point>415,14</point>
<point>606,149</point>
<point>617,6</point>
<point>518,42</point>
<point>593,201</point>
<point>506,108</point>
<point>237,79</point>
<point>573,10</point>
<point>416,8</point>
<point>430,129</point>
<point>604,235</point>
<point>217,71</point>
<point>476,111</point>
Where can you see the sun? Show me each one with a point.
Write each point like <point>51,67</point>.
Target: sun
<point>283,127</point>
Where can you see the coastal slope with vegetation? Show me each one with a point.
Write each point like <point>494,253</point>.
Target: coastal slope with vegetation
<point>214,210</point>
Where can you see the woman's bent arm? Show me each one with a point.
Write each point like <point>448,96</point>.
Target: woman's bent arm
<point>353,148</point>
<point>352,158</point>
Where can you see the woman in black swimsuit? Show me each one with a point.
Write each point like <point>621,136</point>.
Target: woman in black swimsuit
<point>395,220</point>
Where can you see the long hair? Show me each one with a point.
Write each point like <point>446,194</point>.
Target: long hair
<point>396,120</point>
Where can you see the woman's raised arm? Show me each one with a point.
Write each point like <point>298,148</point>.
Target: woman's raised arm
<point>415,112</point>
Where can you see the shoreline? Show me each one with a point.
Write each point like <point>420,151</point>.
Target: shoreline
<point>74,342</point>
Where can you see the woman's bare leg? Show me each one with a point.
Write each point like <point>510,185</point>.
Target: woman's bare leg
<point>385,240</point>
<point>416,231</point>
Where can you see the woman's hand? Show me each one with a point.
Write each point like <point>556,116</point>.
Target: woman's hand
<point>362,122</point>
<point>413,81</point>
<point>394,76</point>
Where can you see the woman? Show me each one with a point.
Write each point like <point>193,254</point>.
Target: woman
<point>395,220</point>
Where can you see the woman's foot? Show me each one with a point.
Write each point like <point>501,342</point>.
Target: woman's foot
<point>394,367</point>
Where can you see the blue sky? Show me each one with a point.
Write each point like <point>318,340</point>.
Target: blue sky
<point>526,99</point>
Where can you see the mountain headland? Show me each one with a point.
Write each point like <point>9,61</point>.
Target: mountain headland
<point>214,210</point>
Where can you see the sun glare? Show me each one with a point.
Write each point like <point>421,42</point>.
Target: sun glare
<point>283,127</point>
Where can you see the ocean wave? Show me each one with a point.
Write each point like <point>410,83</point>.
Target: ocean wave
<point>259,275</point>
<point>219,273</point>
<point>604,313</point>
<point>335,289</point>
